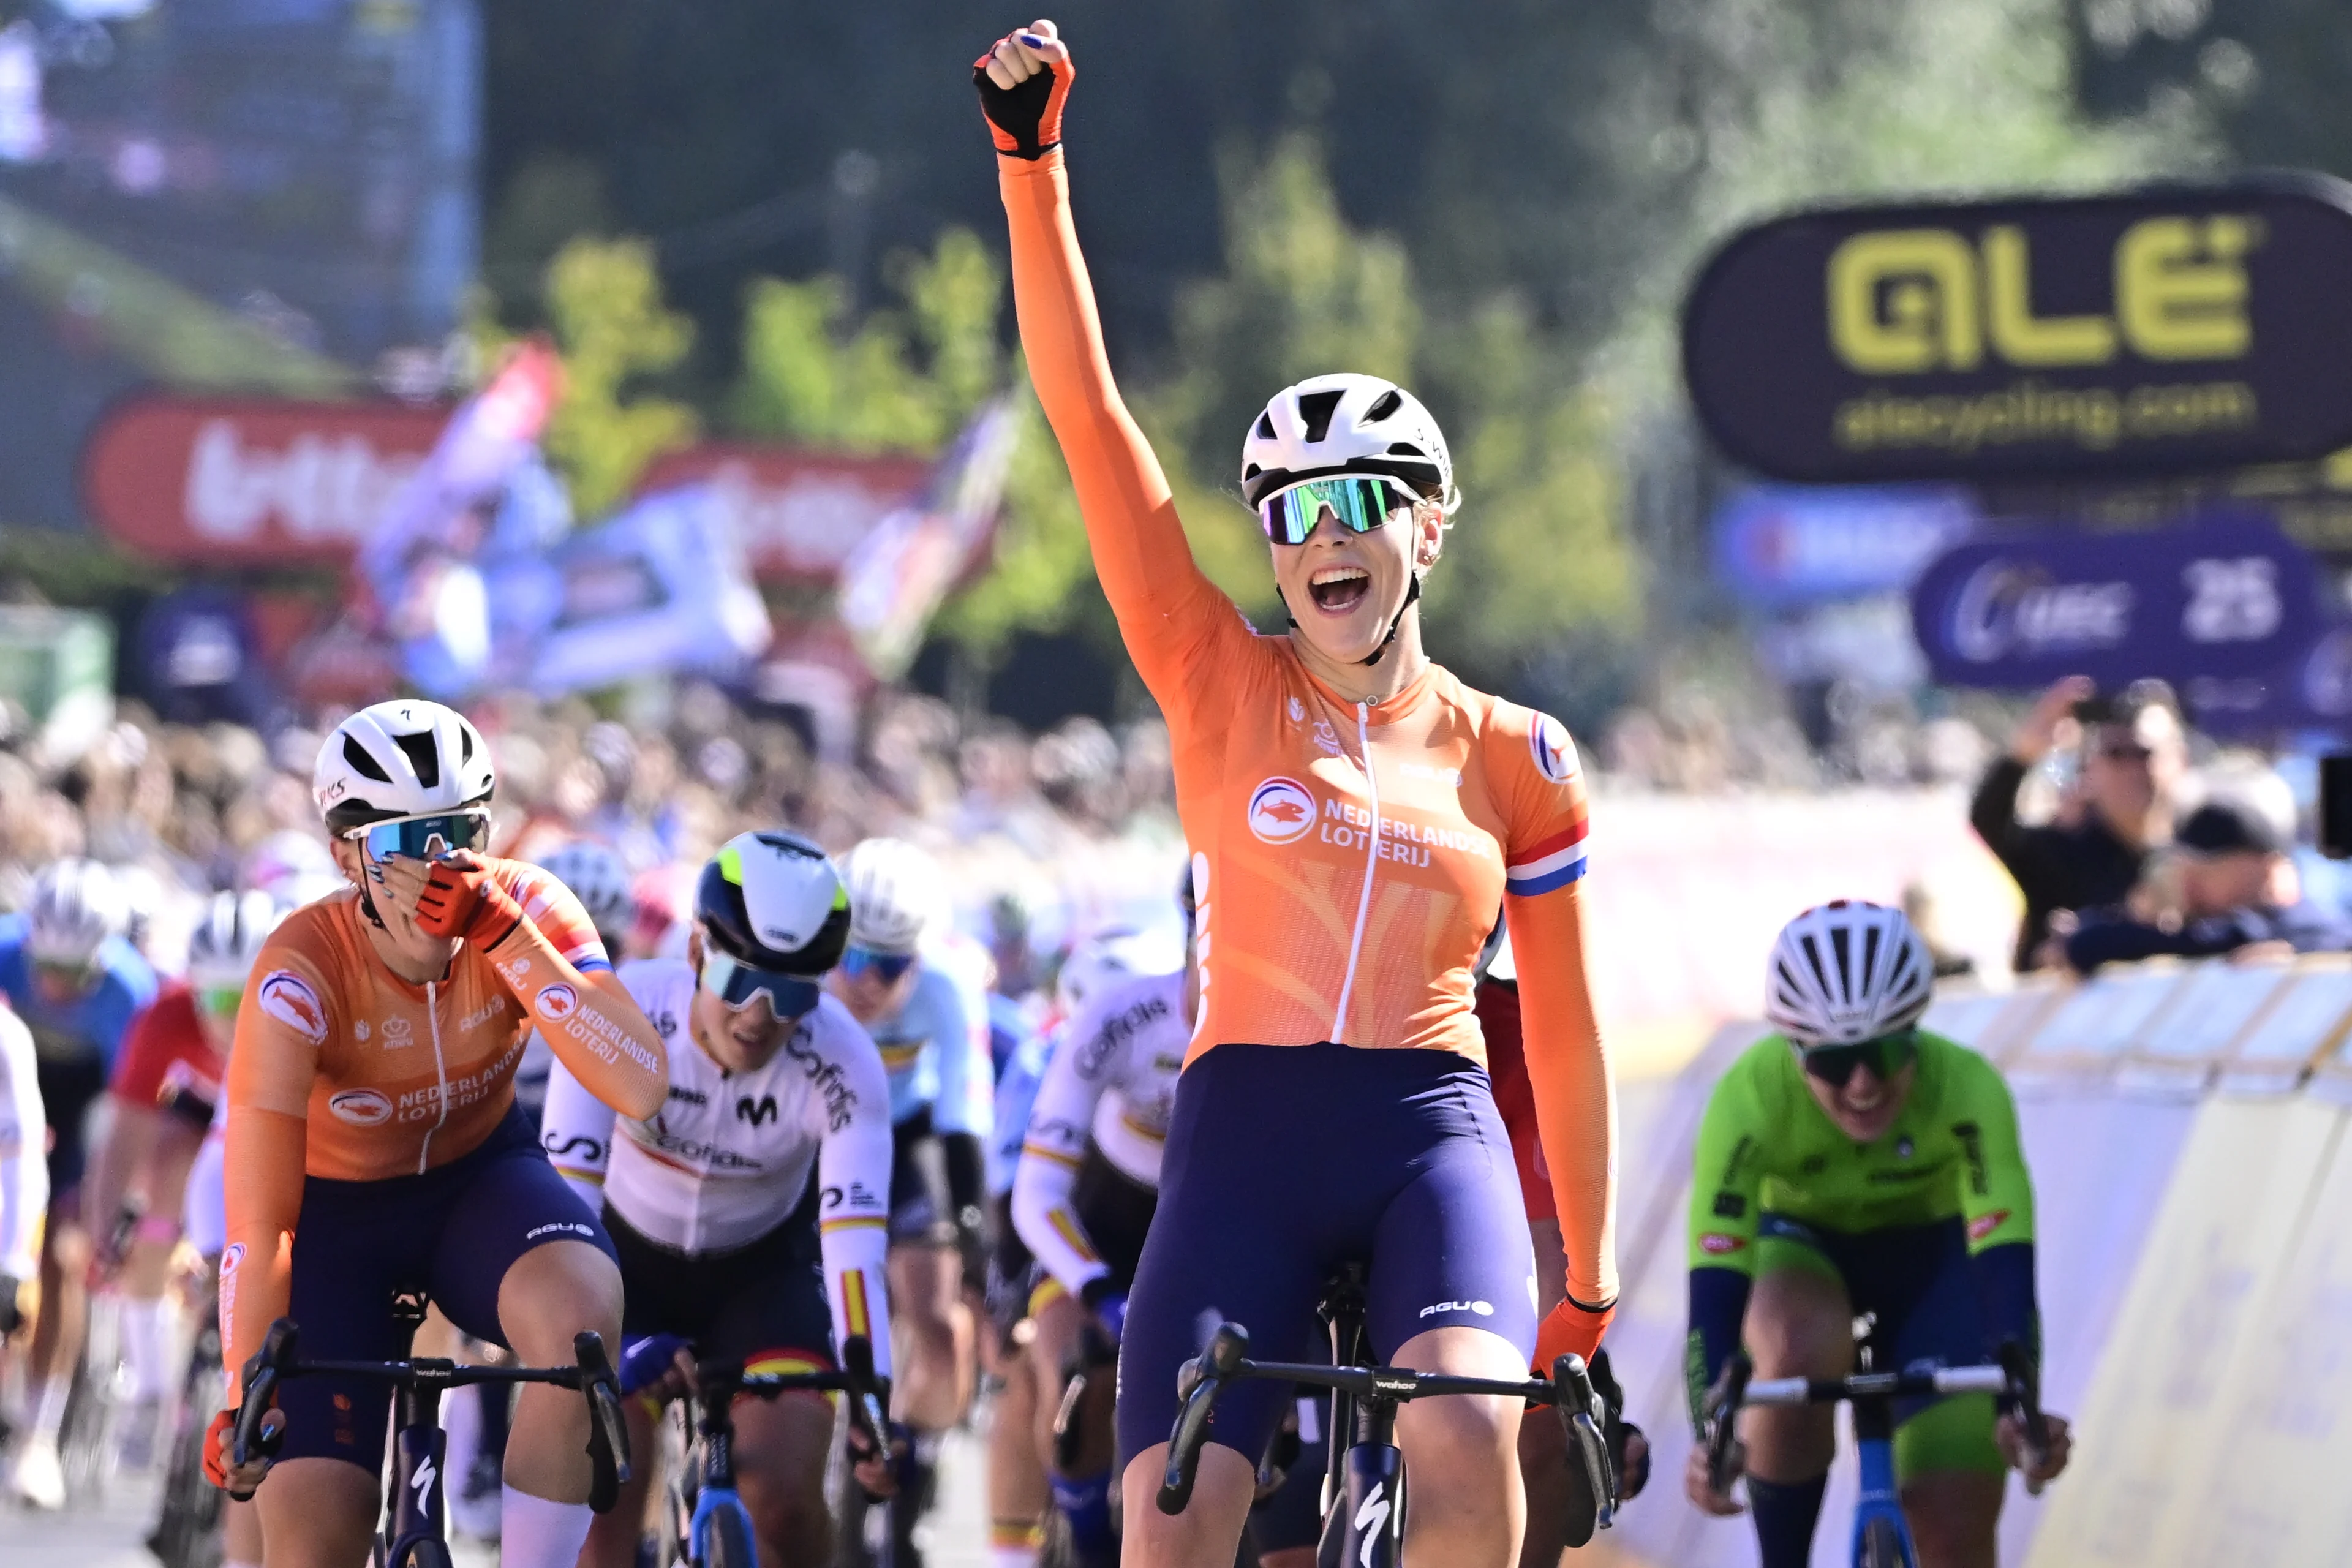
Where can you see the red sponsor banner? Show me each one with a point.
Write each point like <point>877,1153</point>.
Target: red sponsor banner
<point>799,513</point>
<point>218,482</point>
<point>252,481</point>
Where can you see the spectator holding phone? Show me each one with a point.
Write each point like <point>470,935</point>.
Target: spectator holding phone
<point>2121,806</point>
<point>2227,886</point>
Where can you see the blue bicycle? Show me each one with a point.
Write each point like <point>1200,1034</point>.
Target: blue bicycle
<point>707,1525</point>
<point>1882,1538</point>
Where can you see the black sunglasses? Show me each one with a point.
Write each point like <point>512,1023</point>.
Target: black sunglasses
<point>1885,1056</point>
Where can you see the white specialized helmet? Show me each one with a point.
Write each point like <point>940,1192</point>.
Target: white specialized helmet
<point>1847,972</point>
<point>74,906</point>
<point>228,938</point>
<point>893,889</point>
<point>599,879</point>
<point>404,758</point>
<point>1347,422</point>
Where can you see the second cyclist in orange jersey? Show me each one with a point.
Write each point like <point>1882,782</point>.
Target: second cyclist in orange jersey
<point>373,1145</point>
<point>1359,817</point>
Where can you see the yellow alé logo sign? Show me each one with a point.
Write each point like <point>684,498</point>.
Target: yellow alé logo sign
<point>1903,301</point>
<point>2179,328</point>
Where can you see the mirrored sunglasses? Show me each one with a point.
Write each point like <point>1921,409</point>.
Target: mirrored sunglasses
<point>424,838</point>
<point>886,967</point>
<point>738,984</point>
<point>1360,502</point>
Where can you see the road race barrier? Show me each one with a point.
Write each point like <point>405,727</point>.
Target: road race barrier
<point>2193,1196</point>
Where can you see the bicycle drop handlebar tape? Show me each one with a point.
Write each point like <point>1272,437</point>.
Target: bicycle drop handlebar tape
<point>1026,118</point>
<point>1199,1384</point>
<point>608,1429</point>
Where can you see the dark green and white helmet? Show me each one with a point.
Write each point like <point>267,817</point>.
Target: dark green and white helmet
<point>773,901</point>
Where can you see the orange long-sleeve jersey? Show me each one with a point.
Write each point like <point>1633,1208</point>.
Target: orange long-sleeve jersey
<point>343,1070</point>
<point>1349,856</point>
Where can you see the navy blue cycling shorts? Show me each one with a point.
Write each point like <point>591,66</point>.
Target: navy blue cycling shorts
<point>1285,1163</point>
<point>452,1233</point>
<point>1915,1279</point>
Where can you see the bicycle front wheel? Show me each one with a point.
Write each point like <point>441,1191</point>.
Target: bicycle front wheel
<point>1883,1545</point>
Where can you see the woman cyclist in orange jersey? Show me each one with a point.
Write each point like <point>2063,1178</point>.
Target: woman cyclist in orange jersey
<point>375,1145</point>
<point>1357,817</point>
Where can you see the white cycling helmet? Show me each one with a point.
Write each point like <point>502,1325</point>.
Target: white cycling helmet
<point>1347,424</point>
<point>74,906</point>
<point>404,758</point>
<point>228,938</point>
<point>1847,972</point>
<point>599,879</point>
<point>893,889</point>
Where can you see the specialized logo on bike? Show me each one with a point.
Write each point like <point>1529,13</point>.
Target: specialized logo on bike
<point>1555,753</point>
<point>287,998</point>
<point>1484,1309</point>
<point>361,1108</point>
<point>556,1003</point>
<point>1281,811</point>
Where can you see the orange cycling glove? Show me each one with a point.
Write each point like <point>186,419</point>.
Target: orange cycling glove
<point>462,899</point>
<point>1570,1326</point>
<point>1027,118</point>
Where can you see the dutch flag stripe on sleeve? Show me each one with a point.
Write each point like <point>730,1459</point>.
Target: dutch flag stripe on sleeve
<point>1555,862</point>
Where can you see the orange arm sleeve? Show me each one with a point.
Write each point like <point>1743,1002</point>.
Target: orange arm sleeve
<point>1168,611</point>
<point>594,1025</point>
<point>1575,1094</point>
<point>280,1029</point>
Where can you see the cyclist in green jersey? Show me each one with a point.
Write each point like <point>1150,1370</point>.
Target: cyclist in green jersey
<point>1855,1163</point>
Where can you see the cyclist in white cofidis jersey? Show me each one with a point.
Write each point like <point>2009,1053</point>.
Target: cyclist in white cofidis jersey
<point>749,1211</point>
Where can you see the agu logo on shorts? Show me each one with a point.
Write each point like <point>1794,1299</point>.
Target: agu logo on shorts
<point>361,1108</point>
<point>287,998</point>
<point>1281,810</point>
<point>1555,753</point>
<point>557,1003</point>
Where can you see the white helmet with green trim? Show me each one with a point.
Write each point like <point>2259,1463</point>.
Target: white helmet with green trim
<point>772,901</point>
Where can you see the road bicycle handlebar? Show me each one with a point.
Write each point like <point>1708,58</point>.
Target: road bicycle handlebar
<point>279,1360</point>
<point>1204,1380</point>
<point>2011,1380</point>
<point>867,1413</point>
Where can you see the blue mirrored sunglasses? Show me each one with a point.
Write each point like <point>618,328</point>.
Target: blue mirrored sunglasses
<point>424,838</point>
<point>1360,502</point>
<point>884,966</point>
<point>1885,1056</point>
<point>738,984</point>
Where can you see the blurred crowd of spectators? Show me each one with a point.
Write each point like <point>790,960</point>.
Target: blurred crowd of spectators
<point>183,810</point>
<point>2127,835</point>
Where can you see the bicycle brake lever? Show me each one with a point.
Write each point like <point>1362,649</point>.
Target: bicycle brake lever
<point>608,1429</point>
<point>1199,1385</point>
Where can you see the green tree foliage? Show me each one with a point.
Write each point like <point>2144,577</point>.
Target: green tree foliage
<point>604,303</point>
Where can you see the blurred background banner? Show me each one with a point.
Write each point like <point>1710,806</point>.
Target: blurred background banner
<point>1781,545</point>
<point>216,482</point>
<point>801,514</point>
<point>2227,598</point>
<point>2174,330</point>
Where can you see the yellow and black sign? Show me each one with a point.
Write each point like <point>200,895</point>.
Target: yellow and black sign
<point>2174,330</point>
